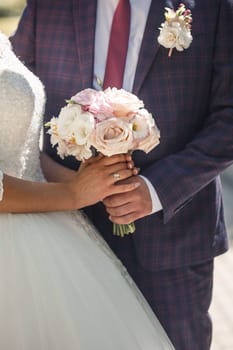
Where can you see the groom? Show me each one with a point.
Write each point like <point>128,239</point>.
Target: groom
<point>178,207</point>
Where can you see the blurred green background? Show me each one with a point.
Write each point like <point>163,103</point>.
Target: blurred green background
<point>10,10</point>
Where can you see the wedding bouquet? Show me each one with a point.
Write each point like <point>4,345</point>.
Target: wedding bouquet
<point>112,121</point>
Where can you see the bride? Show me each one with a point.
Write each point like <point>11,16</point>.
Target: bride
<point>61,286</point>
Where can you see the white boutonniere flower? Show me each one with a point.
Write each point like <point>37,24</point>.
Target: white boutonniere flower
<point>175,32</point>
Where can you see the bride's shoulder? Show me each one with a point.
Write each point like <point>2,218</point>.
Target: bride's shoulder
<point>10,76</point>
<point>5,45</point>
<point>14,74</point>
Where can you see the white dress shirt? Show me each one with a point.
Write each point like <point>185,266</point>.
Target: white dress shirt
<point>139,13</point>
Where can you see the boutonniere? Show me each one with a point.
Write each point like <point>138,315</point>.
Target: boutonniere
<point>175,32</point>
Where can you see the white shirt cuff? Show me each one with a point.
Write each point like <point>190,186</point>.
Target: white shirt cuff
<point>156,204</point>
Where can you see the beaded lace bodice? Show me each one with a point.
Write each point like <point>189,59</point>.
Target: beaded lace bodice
<point>21,109</point>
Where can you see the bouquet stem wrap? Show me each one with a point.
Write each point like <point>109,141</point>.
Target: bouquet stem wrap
<point>123,229</point>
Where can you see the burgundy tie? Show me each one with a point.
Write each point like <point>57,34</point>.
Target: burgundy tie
<point>118,45</point>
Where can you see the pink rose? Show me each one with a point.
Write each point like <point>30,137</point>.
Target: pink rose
<point>124,104</point>
<point>94,102</point>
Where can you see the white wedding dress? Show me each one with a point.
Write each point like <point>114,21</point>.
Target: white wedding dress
<point>60,285</point>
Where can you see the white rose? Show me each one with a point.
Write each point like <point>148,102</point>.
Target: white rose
<point>150,141</point>
<point>146,133</point>
<point>82,128</point>
<point>113,136</point>
<point>65,120</point>
<point>184,40</point>
<point>174,35</point>
<point>55,138</point>
<point>76,124</point>
<point>142,123</point>
<point>62,149</point>
<point>80,152</point>
<point>169,34</point>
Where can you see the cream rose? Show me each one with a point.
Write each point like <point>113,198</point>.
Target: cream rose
<point>112,136</point>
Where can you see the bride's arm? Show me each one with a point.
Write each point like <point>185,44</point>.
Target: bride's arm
<point>54,171</point>
<point>25,196</point>
<point>89,186</point>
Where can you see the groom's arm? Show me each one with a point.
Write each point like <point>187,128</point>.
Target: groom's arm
<point>179,176</point>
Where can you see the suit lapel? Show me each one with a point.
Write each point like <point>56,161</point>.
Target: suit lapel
<point>84,17</point>
<point>150,44</point>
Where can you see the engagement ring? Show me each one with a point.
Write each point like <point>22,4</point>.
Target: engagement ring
<point>116,176</point>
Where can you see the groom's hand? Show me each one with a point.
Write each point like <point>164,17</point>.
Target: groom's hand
<point>125,208</point>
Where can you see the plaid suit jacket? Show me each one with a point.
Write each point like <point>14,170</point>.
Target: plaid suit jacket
<point>191,96</point>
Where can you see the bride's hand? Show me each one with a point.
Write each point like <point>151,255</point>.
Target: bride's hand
<point>98,178</point>
<point>128,159</point>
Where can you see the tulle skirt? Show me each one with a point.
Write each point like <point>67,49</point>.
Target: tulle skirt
<point>61,288</point>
